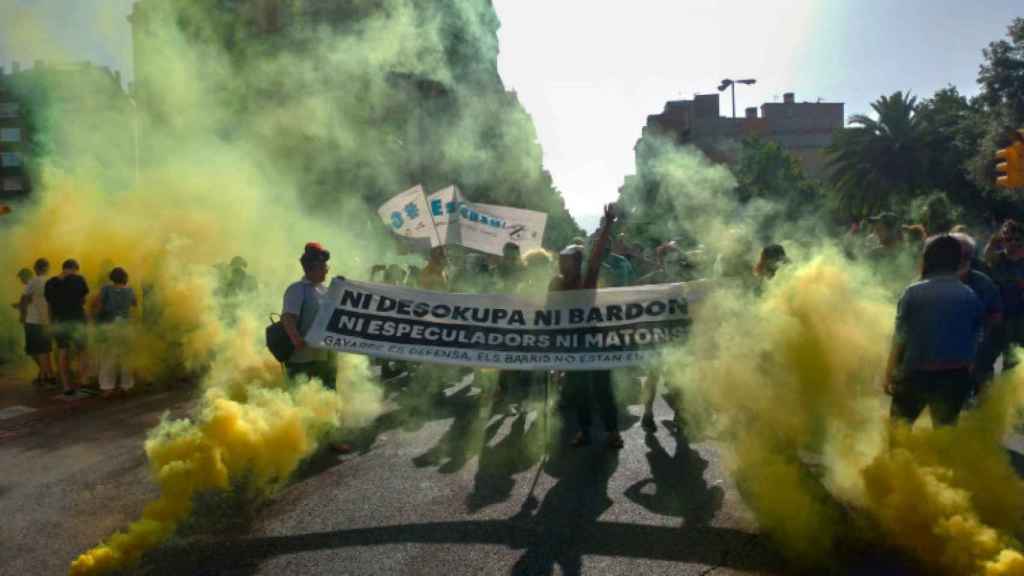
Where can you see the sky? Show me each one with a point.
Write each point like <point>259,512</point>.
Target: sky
<point>589,72</point>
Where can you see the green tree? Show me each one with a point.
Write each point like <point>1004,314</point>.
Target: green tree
<point>1002,74</point>
<point>950,132</point>
<point>1000,103</point>
<point>879,159</point>
<point>764,170</point>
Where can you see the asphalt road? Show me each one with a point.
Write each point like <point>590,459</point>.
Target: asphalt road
<point>71,476</point>
<point>445,485</point>
<point>448,482</point>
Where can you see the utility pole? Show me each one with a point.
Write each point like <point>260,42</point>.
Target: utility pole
<point>730,83</point>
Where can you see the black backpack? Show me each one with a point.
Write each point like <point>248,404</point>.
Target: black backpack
<point>278,342</point>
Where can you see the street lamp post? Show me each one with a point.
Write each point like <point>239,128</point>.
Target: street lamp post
<point>729,83</point>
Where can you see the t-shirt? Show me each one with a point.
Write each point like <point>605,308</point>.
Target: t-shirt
<point>939,321</point>
<point>66,297</point>
<point>38,311</point>
<point>302,299</point>
<point>115,302</point>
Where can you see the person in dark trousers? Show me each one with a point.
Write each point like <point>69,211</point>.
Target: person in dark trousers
<point>301,304</point>
<point>582,385</point>
<point>938,323</point>
<point>66,296</point>
<point>986,290</point>
<point>1004,256</point>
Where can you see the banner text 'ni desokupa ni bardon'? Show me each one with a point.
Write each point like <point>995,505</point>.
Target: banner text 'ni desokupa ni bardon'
<point>573,330</point>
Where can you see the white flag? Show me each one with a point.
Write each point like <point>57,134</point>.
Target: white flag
<point>488,227</point>
<point>408,215</point>
<point>444,208</point>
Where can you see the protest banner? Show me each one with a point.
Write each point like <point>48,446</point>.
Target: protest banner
<point>573,330</point>
<point>408,215</point>
<point>484,227</point>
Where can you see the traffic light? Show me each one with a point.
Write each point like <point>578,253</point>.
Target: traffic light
<point>1011,165</point>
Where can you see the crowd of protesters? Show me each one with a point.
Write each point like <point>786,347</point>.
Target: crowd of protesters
<point>953,324</point>
<point>79,338</point>
<point>603,260</point>
<point>960,310</point>
<point>56,312</point>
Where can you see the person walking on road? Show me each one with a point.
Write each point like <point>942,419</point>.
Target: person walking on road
<point>301,306</point>
<point>582,385</point>
<point>114,309</point>
<point>35,316</point>
<point>66,296</point>
<point>938,323</point>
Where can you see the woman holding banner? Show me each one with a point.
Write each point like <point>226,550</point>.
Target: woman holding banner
<point>597,383</point>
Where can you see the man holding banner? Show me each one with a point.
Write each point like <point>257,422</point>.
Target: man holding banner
<point>583,385</point>
<point>298,312</point>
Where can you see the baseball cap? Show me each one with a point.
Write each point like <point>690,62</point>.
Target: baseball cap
<point>314,252</point>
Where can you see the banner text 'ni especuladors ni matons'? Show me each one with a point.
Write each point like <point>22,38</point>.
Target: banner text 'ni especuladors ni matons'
<point>575,330</point>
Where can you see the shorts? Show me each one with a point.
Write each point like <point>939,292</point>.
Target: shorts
<point>37,339</point>
<point>69,335</point>
<point>944,392</point>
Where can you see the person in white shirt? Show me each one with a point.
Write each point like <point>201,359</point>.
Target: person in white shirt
<point>35,316</point>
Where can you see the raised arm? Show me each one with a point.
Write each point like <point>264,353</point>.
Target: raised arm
<point>597,250</point>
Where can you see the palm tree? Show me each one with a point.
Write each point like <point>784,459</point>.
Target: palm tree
<point>878,159</point>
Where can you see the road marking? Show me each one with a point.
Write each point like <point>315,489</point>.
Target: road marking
<point>15,411</point>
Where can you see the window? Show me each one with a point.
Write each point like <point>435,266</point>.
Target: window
<point>9,160</point>
<point>10,134</point>
<point>12,185</point>
<point>9,109</point>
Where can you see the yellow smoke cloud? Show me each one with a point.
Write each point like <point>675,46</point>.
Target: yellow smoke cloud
<point>195,201</point>
<point>248,422</point>
<point>791,384</point>
<point>263,437</point>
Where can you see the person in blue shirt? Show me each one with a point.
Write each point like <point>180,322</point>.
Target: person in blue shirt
<point>1004,256</point>
<point>986,290</point>
<point>938,324</point>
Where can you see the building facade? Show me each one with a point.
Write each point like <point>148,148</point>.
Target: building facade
<point>72,114</point>
<point>14,179</point>
<point>803,129</point>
